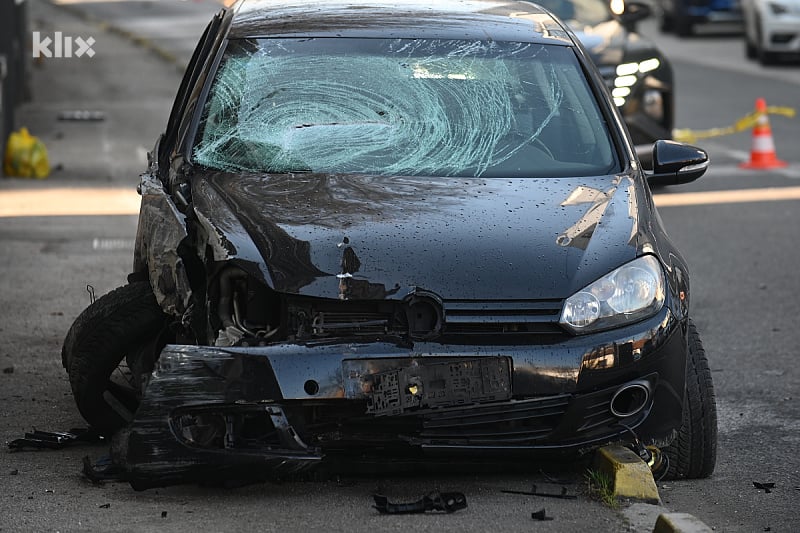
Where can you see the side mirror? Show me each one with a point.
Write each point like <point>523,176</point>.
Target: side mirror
<point>634,12</point>
<point>675,163</point>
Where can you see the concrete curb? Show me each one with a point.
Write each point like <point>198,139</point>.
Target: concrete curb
<point>633,480</point>
<point>680,523</point>
<point>630,476</point>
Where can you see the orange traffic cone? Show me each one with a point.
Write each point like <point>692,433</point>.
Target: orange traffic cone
<point>762,154</point>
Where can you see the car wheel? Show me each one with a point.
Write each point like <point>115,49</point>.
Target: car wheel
<point>767,58</point>
<point>683,26</point>
<point>693,454</point>
<point>105,338</point>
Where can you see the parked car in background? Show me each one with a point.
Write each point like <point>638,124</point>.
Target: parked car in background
<point>772,29</point>
<point>638,75</point>
<point>681,16</point>
<point>395,229</point>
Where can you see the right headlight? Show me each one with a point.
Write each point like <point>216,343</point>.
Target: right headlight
<point>630,293</point>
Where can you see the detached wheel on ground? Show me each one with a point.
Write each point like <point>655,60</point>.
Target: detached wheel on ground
<point>693,454</point>
<point>105,338</point>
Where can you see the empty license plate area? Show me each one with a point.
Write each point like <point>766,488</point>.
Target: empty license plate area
<point>395,386</point>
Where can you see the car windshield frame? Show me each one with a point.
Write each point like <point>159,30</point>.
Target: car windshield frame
<point>403,127</point>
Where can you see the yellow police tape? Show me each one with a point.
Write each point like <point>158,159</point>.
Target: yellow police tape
<point>744,123</point>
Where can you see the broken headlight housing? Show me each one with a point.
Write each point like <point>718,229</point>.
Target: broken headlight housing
<point>630,293</point>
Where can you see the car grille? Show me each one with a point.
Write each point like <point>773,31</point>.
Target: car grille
<point>446,321</point>
<point>519,422</point>
<point>476,317</point>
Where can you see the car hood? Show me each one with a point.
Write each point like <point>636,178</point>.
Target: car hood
<point>460,238</point>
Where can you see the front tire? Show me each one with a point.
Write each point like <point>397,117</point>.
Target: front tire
<point>112,330</point>
<point>693,454</point>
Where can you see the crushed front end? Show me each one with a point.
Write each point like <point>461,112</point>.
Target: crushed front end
<point>244,412</point>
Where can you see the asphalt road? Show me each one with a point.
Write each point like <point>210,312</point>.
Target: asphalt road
<point>743,259</point>
<point>742,254</point>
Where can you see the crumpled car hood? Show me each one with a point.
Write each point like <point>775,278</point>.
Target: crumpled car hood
<point>460,238</point>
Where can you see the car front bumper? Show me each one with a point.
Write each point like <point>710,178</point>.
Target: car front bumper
<point>781,33</point>
<point>222,413</point>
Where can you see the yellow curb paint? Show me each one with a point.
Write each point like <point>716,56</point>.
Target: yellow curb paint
<point>631,476</point>
<point>68,202</point>
<point>738,196</point>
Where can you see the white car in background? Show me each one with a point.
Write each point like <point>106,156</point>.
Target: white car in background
<point>772,28</point>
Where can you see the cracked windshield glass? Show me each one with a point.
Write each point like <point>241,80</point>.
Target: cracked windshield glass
<point>402,107</point>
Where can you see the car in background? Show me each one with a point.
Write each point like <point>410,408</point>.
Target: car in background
<point>771,29</point>
<point>681,16</point>
<point>387,229</point>
<point>638,75</point>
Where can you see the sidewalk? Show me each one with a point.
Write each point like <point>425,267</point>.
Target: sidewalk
<point>132,88</point>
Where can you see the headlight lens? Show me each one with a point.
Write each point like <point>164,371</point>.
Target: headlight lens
<point>777,9</point>
<point>632,292</point>
<point>628,74</point>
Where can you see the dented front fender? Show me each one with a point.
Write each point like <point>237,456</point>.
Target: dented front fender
<point>162,228</point>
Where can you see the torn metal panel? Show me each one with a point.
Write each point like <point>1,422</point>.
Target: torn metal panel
<point>161,231</point>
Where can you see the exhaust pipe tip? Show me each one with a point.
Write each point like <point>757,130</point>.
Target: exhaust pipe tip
<point>631,398</point>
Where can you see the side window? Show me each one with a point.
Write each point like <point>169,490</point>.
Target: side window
<point>193,70</point>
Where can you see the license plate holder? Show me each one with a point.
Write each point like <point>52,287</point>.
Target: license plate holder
<point>395,387</point>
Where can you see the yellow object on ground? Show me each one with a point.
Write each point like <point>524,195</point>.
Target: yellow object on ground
<point>631,476</point>
<point>25,156</point>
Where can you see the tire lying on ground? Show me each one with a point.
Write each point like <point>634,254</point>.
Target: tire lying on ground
<point>105,336</point>
<point>693,454</point>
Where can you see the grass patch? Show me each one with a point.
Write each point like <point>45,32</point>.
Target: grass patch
<point>601,488</point>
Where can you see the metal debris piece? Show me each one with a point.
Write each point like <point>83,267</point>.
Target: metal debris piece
<point>433,501</point>
<point>533,492</point>
<point>82,115</point>
<point>766,487</point>
<point>104,506</point>
<point>541,515</point>
<point>55,440</point>
<point>92,297</point>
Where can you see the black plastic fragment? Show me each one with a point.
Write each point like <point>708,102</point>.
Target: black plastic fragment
<point>533,492</point>
<point>55,440</point>
<point>434,501</point>
<point>766,487</point>
<point>541,515</point>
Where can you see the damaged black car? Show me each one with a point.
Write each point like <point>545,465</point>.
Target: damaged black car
<point>389,229</point>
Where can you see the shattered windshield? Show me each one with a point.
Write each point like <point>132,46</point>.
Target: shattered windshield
<point>402,107</point>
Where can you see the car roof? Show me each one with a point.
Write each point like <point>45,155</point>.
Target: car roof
<point>498,20</point>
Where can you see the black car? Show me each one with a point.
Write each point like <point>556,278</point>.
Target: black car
<point>387,229</point>
<point>638,75</point>
<point>682,16</point>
